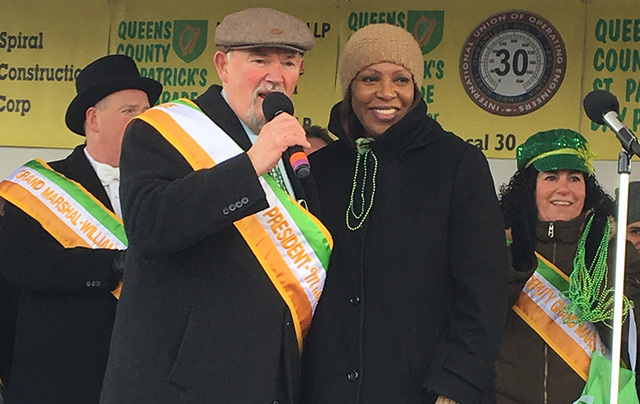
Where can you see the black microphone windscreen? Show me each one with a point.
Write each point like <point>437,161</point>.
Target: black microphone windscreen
<point>275,103</point>
<point>599,102</point>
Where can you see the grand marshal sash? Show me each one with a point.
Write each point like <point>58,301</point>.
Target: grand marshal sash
<point>542,305</point>
<point>64,208</point>
<point>292,246</point>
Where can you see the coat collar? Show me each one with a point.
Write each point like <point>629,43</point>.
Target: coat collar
<point>76,167</point>
<point>218,110</point>
<point>568,231</point>
<point>413,131</point>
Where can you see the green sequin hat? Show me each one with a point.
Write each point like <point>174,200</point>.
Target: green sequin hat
<point>556,149</point>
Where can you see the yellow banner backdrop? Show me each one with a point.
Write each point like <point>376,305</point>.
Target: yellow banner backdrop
<point>495,71</point>
<point>612,63</point>
<point>43,46</point>
<point>491,67</point>
<point>174,44</point>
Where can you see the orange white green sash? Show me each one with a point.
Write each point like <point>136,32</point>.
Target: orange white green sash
<point>64,208</point>
<point>542,305</point>
<point>291,244</point>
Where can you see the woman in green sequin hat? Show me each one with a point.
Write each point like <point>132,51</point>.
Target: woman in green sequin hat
<point>553,205</point>
<point>415,299</point>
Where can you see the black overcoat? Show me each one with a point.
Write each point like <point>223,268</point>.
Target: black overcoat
<point>414,302</point>
<point>198,321</point>
<point>66,309</point>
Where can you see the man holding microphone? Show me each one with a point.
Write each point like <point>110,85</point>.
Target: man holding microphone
<point>224,267</point>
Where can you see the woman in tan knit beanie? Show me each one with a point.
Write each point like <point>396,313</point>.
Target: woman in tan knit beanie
<point>415,298</point>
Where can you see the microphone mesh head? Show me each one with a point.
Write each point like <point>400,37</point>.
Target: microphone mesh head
<point>275,103</point>
<point>599,102</point>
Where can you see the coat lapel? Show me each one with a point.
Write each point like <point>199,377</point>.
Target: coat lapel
<point>77,167</point>
<point>217,109</point>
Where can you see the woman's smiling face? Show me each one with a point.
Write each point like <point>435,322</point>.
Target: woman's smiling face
<point>382,95</point>
<point>560,195</point>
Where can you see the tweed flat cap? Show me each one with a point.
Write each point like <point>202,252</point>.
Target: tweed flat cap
<point>255,27</point>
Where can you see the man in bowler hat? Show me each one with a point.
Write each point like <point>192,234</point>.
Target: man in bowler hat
<point>200,319</point>
<point>66,309</point>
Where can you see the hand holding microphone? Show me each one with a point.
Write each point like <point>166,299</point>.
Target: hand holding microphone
<point>273,105</point>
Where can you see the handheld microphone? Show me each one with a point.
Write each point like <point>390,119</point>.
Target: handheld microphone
<point>602,108</point>
<point>273,105</point>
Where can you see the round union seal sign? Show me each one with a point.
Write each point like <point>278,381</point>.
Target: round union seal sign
<point>513,63</point>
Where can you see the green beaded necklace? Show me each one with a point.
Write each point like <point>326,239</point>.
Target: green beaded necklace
<point>354,220</point>
<point>591,300</point>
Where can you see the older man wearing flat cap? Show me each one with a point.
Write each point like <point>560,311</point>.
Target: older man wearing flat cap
<point>61,239</point>
<point>224,266</point>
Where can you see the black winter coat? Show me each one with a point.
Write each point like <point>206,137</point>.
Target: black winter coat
<point>8,314</point>
<point>66,308</point>
<point>198,321</point>
<point>414,301</point>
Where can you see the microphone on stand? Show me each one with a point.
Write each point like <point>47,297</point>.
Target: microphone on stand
<point>273,105</point>
<point>602,107</point>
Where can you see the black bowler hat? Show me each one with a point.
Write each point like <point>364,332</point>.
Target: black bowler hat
<point>102,77</point>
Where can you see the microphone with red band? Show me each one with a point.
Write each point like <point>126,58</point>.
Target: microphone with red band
<point>273,105</point>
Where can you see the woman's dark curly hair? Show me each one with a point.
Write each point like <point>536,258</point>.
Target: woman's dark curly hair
<point>520,193</point>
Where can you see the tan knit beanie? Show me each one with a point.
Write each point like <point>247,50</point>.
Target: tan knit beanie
<point>377,43</point>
